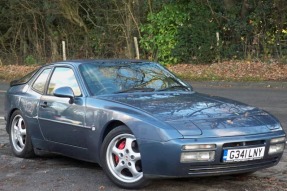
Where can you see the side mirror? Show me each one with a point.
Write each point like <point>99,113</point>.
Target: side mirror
<point>66,92</point>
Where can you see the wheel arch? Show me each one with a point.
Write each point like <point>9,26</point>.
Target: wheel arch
<point>9,118</point>
<point>110,126</point>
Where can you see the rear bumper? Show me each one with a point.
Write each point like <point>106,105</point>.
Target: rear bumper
<point>162,159</point>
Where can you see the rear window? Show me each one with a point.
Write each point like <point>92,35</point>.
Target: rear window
<point>24,79</point>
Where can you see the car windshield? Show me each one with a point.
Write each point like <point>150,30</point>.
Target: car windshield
<point>110,78</point>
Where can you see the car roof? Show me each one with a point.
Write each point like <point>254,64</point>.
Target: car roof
<point>108,61</point>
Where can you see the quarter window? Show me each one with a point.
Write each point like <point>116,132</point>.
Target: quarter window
<point>63,77</point>
<point>39,84</point>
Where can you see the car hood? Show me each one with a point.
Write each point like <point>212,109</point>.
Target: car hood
<point>196,114</point>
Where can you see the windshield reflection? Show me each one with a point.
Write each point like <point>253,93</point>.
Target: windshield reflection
<point>108,78</point>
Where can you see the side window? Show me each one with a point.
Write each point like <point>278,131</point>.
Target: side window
<point>39,84</point>
<point>62,77</point>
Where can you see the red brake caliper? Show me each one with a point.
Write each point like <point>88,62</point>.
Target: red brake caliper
<point>121,147</point>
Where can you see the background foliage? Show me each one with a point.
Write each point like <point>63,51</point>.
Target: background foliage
<point>169,31</point>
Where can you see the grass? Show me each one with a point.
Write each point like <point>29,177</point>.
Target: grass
<point>240,71</point>
<point>12,72</point>
<point>214,77</point>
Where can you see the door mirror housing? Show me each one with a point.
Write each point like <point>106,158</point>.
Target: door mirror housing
<point>65,92</point>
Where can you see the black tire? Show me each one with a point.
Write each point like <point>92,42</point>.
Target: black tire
<point>123,167</point>
<point>19,136</point>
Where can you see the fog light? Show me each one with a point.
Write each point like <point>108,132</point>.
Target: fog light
<point>274,149</point>
<point>195,147</point>
<point>278,140</point>
<point>202,156</point>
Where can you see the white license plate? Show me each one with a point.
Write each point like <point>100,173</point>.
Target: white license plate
<point>233,155</point>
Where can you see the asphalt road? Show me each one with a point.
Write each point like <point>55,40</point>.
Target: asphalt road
<point>61,173</point>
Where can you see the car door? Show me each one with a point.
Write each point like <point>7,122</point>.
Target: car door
<point>60,121</point>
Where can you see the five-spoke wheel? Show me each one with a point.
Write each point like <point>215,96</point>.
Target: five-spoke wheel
<point>121,158</point>
<point>19,136</point>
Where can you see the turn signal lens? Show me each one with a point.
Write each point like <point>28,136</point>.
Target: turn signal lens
<point>278,140</point>
<point>196,147</point>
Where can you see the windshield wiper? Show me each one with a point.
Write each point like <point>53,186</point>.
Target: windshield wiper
<point>136,90</point>
<point>175,88</point>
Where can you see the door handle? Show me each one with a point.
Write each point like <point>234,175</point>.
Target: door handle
<point>44,104</point>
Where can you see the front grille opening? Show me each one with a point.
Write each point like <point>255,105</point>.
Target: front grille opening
<point>247,143</point>
<point>230,168</point>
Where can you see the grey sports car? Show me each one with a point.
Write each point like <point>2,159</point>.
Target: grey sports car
<point>138,121</point>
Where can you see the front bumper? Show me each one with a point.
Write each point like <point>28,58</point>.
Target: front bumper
<point>162,159</point>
